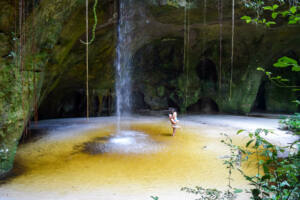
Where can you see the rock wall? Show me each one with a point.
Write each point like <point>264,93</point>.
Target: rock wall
<point>49,39</point>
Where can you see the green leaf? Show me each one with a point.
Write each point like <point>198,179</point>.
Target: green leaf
<point>287,60</point>
<point>260,69</point>
<point>240,131</point>
<point>280,64</point>
<point>268,8</point>
<point>154,197</point>
<point>275,6</point>
<point>292,21</point>
<point>293,9</point>
<point>236,190</point>
<point>249,142</point>
<point>284,80</point>
<point>284,183</point>
<point>247,19</point>
<point>285,13</point>
<point>270,23</point>
<point>255,193</point>
<point>261,162</point>
<point>274,15</point>
<point>296,68</point>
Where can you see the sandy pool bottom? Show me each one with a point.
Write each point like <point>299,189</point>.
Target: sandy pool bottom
<point>99,164</point>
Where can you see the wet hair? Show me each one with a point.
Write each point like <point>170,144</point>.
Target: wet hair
<point>172,110</point>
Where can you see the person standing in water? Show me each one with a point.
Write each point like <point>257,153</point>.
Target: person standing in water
<point>173,119</point>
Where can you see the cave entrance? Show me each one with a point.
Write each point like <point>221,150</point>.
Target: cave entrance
<point>204,105</point>
<point>259,104</point>
<point>172,104</point>
<point>206,70</point>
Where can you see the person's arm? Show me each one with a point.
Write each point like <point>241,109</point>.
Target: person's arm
<point>172,121</point>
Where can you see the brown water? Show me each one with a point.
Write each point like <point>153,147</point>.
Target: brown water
<point>144,160</point>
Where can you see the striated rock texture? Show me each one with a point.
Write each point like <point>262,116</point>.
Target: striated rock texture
<point>52,29</point>
<point>53,73</point>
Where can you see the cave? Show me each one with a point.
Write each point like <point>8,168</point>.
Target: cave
<point>204,105</point>
<point>259,104</point>
<point>70,104</point>
<point>206,70</point>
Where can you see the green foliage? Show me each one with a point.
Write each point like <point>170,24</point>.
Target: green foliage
<point>276,10</point>
<point>233,160</point>
<point>291,123</point>
<point>286,62</point>
<point>155,197</point>
<point>16,92</point>
<point>279,177</point>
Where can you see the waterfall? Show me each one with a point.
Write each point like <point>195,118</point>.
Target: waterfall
<point>204,24</point>
<point>221,40</point>
<point>123,61</point>
<point>232,48</point>
<point>204,34</point>
<point>186,47</point>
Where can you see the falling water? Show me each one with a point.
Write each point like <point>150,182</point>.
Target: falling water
<point>123,61</point>
<point>221,40</point>
<point>204,33</point>
<point>232,47</point>
<point>186,47</point>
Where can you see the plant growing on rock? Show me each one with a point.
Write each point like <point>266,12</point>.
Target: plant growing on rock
<point>291,14</point>
<point>291,123</point>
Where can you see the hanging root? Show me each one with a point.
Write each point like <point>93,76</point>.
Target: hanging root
<point>94,26</point>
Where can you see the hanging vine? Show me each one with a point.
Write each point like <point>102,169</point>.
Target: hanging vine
<point>95,23</point>
<point>87,43</point>
<point>21,57</point>
<point>232,49</point>
<point>33,51</point>
<point>221,40</point>
<point>87,57</point>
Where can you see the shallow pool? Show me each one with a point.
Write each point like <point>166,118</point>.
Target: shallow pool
<point>92,160</point>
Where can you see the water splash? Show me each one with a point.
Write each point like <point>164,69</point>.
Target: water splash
<point>123,61</point>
